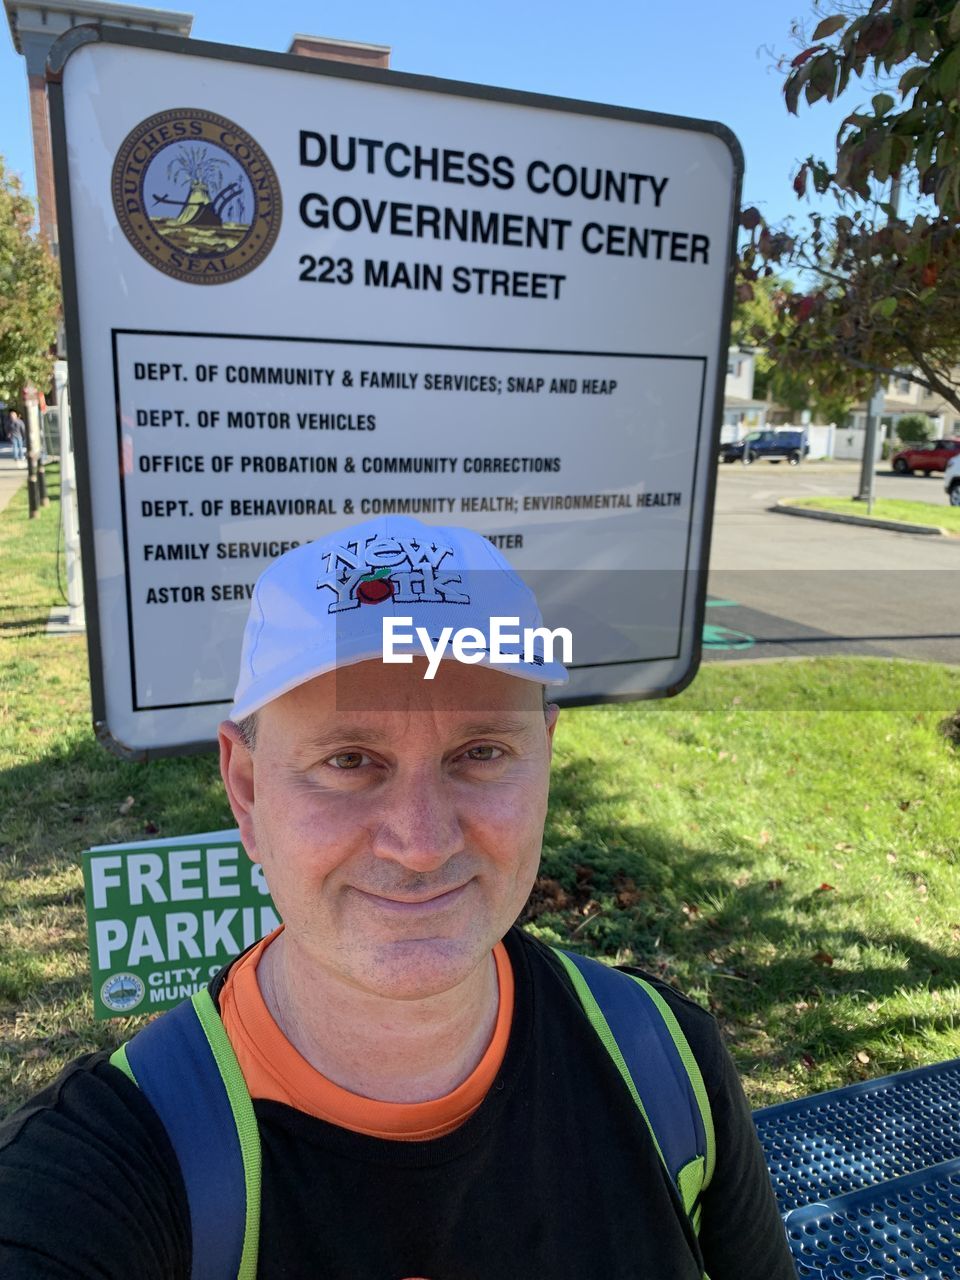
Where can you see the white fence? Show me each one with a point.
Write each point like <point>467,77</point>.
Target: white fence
<point>849,443</point>
<point>822,441</point>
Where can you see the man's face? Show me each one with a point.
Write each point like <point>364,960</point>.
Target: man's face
<point>400,840</point>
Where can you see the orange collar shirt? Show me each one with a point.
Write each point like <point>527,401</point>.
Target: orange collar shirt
<point>275,1071</point>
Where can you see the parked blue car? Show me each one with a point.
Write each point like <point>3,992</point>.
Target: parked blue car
<point>792,445</point>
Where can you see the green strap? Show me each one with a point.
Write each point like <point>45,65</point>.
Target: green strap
<point>245,1120</point>
<point>693,1071</point>
<point>602,1028</point>
<point>118,1059</point>
<point>695,1176</point>
<point>690,1183</point>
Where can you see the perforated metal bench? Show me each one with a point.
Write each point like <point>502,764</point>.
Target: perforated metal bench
<point>868,1177</point>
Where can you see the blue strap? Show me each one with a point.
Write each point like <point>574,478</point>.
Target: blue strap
<point>175,1067</point>
<point>652,1058</point>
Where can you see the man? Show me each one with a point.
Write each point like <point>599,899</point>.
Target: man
<point>18,436</point>
<point>431,1101</point>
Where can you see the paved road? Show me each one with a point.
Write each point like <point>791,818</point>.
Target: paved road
<point>803,587</point>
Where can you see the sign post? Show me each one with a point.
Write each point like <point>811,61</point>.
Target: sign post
<point>68,500</point>
<point>36,477</point>
<point>302,294</point>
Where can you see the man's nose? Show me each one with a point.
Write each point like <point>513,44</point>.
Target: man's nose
<point>419,826</point>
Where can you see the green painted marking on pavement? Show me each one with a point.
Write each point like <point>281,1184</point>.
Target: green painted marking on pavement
<point>716,637</point>
<point>724,638</point>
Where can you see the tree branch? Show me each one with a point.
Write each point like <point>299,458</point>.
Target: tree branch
<point>947,390</point>
<point>909,374</point>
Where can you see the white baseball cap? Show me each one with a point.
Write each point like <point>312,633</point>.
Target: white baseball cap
<point>322,605</point>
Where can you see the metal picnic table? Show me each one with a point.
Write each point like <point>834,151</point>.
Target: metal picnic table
<point>868,1177</point>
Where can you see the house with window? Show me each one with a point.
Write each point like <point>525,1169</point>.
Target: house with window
<point>901,396</point>
<point>741,411</point>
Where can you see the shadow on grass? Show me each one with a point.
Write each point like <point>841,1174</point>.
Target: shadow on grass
<point>608,886</point>
<point>58,1033</point>
<point>68,800</point>
<point>41,897</point>
<point>44,1019</point>
<point>28,626</point>
<point>62,1045</point>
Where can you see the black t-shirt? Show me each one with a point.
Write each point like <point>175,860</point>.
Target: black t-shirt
<point>554,1177</point>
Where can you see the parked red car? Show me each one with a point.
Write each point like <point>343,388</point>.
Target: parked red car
<point>925,457</point>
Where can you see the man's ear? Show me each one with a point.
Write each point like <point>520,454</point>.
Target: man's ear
<point>553,715</point>
<point>236,769</point>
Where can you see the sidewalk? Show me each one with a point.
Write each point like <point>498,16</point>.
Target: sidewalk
<point>11,475</point>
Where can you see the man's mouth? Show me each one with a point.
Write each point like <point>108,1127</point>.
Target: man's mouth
<point>430,901</point>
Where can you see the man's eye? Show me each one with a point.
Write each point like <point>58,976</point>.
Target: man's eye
<point>483,753</point>
<point>348,760</point>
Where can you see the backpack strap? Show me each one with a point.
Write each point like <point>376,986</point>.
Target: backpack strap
<point>185,1065</point>
<point>640,1032</point>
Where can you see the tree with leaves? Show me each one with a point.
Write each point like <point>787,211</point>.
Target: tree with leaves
<point>761,319</point>
<point>757,316</point>
<point>29,295</point>
<point>885,291</point>
<point>915,428</point>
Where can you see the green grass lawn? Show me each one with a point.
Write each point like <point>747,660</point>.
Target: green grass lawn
<point>902,509</point>
<point>780,841</point>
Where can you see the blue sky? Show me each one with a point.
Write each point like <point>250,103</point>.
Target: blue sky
<point>698,58</point>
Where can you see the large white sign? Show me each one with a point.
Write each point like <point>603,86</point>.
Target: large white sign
<point>301,295</point>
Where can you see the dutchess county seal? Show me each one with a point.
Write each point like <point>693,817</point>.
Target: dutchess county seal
<point>196,196</point>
